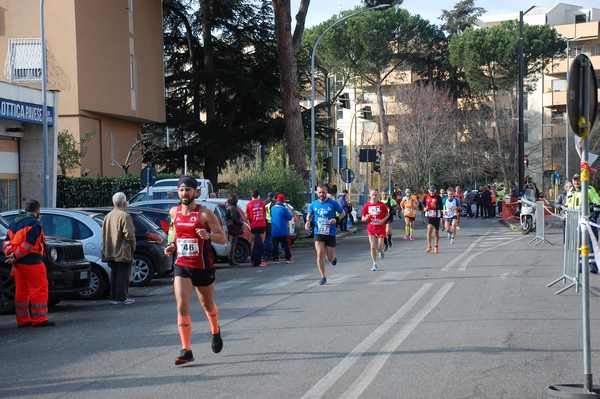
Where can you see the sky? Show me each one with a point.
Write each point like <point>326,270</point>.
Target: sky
<point>321,10</point>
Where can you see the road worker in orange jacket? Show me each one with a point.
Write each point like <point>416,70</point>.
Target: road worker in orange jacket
<point>24,249</point>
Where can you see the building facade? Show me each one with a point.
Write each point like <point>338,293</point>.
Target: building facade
<point>105,59</point>
<point>21,143</point>
<point>548,140</point>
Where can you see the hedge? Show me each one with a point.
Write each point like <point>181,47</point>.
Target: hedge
<point>76,192</point>
<point>272,178</point>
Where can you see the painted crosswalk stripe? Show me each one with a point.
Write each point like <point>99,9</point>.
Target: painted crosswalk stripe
<point>373,368</point>
<point>279,283</point>
<point>231,283</point>
<point>465,253</point>
<point>325,383</point>
<point>391,277</point>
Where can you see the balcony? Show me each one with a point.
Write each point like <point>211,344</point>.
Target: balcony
<point>559,66</point>
<point>557,99</point>
<point>587,29</point>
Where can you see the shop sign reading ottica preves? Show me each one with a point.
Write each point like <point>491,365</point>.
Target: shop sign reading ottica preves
<point>24,112</point>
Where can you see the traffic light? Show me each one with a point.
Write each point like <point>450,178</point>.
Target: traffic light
<point>325,164</point>
<point>381,3</point>
<point>377,163</point>
<point>526,160</point>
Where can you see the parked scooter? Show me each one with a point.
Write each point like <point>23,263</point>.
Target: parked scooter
<point>527,214</point>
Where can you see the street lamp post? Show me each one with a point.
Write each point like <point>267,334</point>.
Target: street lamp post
<point>521,77</point>
<point>45,144</point>
<point>313,166</point>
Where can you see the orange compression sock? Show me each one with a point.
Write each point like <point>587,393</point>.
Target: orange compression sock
<point>213,319</point>
<point>184,325</point>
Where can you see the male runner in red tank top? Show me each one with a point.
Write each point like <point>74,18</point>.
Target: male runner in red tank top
<point>191,224</point>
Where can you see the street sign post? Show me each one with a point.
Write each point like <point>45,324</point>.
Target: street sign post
<point>148,176</point>
<point>347,175</point>
<point>582,103</point>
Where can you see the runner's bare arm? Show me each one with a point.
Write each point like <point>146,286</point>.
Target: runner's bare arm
<point>170,248</point>
<point>217,235</point>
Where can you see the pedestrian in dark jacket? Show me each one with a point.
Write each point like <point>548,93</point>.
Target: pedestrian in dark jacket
<point>235,226</point>
<point>280,230</point>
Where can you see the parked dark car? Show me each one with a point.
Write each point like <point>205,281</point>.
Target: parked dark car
<point>68,271</point>
<point>149,258</point>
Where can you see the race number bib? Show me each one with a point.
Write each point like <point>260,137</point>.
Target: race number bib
<point>188,247</point>
<point>323,226</point>
<point>430,213</point>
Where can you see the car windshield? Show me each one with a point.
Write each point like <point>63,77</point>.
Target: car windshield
<point>3,230</point>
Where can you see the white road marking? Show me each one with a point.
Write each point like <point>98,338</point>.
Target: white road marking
<point>231,283</point>
<point>279,283</point>
<point>391,277</point>
<point>466,263</point>
<point>325,383</point>
<point>461,256</point>
<point>375,365</point>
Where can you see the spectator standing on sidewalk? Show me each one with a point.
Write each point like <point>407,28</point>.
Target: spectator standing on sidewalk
<point>280,228</point>
<point>257,216</point>
<point>118,247</point>
<point>268,243</point>
<point>235,226</point>
<point>344,204</point>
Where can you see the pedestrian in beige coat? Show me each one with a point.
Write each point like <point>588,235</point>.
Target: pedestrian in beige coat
<point>118,247</point>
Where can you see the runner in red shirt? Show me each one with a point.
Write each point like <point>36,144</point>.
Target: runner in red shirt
<point>433,214</point>
<point>257,216</point>
<point>376,213</point>
<point>191,225</point>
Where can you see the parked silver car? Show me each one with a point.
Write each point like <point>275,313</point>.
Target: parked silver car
<point>85,228</point>
<point>244,246</point>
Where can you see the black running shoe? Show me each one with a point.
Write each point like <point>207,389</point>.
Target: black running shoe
<point>216,342</point>
<point>185,356</point>
<point>334,261</point>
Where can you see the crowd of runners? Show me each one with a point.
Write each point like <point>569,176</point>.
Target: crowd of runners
<point>193,226</point>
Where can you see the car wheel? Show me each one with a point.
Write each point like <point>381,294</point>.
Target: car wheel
<point>7,294</point>
<point>242,251</point>
<point>142,271</point>
<point>98,284</point>
<point>53,300</point>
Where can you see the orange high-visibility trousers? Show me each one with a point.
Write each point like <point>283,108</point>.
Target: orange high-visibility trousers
<point>31,294</point>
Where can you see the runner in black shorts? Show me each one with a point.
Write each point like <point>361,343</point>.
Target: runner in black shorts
<point>433,212</point>
<point>323,213</point>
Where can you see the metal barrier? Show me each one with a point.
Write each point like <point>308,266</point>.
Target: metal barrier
<point>571,271</point>
<point>540,225</point>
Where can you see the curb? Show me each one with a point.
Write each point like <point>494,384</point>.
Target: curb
<point>511,226</point>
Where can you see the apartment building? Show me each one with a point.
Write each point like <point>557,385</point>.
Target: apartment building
<point>105,62</point>
<point>547,136</point>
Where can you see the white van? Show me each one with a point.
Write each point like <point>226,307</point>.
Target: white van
<point>167,189</point>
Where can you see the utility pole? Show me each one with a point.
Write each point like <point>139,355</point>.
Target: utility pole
<point>46,140</point>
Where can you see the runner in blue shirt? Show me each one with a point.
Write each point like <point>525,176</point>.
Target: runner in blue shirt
<point>324,213</point>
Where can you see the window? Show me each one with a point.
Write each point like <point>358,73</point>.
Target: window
<point>65,227</point>
<point>366,113</point>
<point>580,18</point>
<point>339,113</point>
<point>595,51</point>
<point>24,60</point>
<point>559,85</point>
<point>9,187</point>
<point>575,51</point>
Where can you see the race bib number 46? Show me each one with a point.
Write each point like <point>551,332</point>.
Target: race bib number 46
<point>188,247</point>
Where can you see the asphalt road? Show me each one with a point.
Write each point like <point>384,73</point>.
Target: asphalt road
<point>475,321</point>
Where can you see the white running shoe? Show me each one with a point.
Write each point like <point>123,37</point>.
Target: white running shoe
<point>381,255</point>
<point>374,268</point>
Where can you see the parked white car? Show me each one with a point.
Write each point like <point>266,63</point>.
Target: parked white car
<point>167,189</point>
